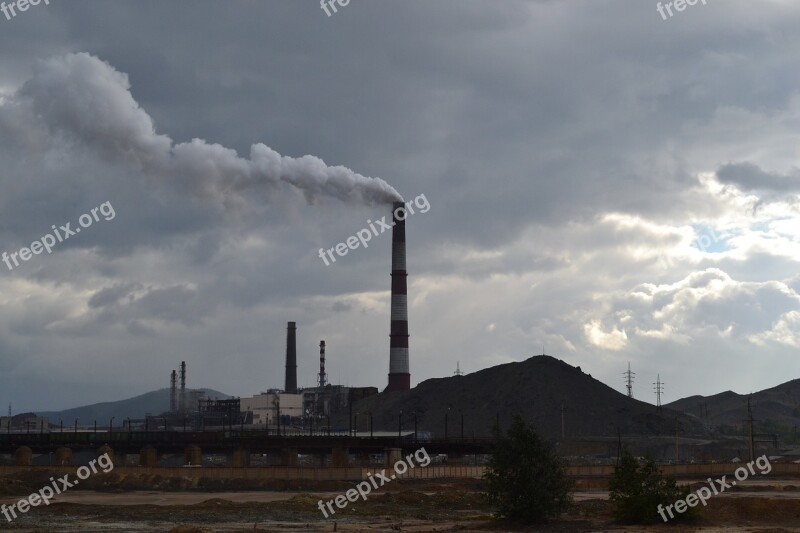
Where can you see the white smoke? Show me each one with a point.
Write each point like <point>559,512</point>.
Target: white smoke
<point>85,100</point>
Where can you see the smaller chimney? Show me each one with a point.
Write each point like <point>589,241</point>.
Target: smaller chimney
<point>323,378</point>
<point>173,392</point>
<point>182,405</point>
<point>291,359</point>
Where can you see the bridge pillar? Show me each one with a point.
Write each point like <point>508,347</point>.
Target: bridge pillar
<point>105,449</point>
<point>240,457</point>
<point>391,456</point>
<point>340,457</point>
<point>193,455</point>
<point>63,456</point>
<point>23,456</point>
<point>289,457</point>
<point>148,456</point>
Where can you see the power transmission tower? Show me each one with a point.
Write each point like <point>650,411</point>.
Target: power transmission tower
<point>659,390</point>
<point>629,380</point>
<point>458,371</point>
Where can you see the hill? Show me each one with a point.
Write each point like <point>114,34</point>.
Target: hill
<point>536,388</point>
<point>775,410</point>
<point>155,402</point>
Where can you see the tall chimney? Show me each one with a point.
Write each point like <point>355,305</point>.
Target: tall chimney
<point>183,387</point>
<point>291,359</point>
<point>173,392</point>
<point>323,378</point>
<point>399,376</point>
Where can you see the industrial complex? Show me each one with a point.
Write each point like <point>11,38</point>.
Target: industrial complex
<point>293,407</point>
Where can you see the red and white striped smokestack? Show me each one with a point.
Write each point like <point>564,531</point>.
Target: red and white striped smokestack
<point>399,375</point>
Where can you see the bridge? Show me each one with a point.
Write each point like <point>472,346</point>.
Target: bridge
<point>237,444</point>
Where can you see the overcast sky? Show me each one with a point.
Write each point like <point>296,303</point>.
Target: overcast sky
<point>603,183</point>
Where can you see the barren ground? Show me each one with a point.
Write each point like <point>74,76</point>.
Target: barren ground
<point>417,507</point>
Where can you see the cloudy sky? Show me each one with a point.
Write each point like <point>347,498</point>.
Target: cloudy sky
<point>603,183</point>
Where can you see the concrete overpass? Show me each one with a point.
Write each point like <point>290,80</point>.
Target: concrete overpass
<point>236,444</point>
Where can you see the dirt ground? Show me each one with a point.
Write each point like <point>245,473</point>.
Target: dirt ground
<point>414,507</point>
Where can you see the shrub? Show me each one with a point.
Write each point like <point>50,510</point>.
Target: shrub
<point>527,481</point>
<point>636,490</point>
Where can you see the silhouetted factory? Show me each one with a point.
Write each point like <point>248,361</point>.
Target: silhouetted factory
<point>292,405</point>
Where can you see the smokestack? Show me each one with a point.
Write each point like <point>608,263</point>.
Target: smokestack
<point>399,376</point>
<point>183,386</point>
<point>323,378</point>
<point>173,392</point>
<point>291,359</point>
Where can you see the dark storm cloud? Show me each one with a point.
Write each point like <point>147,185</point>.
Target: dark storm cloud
<point>525,124</point>
<point>751,177</point>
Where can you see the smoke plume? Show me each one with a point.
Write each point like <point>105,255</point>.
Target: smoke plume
<point>84,100</point>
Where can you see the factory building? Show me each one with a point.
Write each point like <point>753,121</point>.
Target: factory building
<point>220,412</point>
<point>265,408</point>
<point>25,421</point>
<point>295,406</point>
<point>333,399</point>
<point>325,401</point>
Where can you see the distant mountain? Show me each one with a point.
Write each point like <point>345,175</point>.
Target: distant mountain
<point>536,388</point>
<point>776,410</point>
<point>154,403</point>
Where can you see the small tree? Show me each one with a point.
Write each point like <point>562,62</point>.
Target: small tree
<point>527,481</point>
<point>638,489</point>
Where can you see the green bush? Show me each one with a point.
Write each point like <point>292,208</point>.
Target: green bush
<point>527,480</point>
<point>636,490</point>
